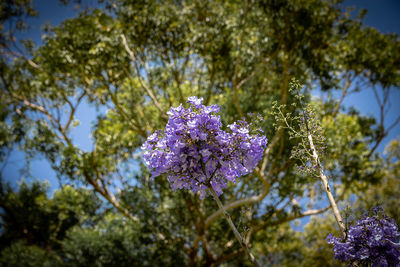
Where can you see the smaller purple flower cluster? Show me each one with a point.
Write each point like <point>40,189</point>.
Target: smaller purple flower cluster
<point>195,153</point>
<point>373,240</point>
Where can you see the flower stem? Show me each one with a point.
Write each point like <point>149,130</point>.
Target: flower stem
<point>235,231</point>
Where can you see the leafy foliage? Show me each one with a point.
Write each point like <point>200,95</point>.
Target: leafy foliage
<point>129,63</point>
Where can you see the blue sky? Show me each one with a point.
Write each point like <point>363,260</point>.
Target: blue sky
<point>382,15</point>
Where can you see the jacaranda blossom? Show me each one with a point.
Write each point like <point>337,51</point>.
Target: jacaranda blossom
<point>196,153</point>
<point>373,240</point>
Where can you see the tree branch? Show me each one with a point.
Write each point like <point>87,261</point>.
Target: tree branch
<point>135,126</point>
<point>146,88</point>
<point>21,55</point>
<point>344,93</point>
<point>56,123</point>
<point>268,151</point>
<point>116,204</point>
<point>289,218</point>
<point>235,231</point>
<point>324,179</point>
<point>383,133</point>
<point>305,214</point>
<point>73,109</point>
<point>236,204</point>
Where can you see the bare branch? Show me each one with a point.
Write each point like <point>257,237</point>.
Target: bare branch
<point>21,55</point>
<point>382,136</point>
<point>344,93</point>
<point>135,126</point>
<point>306,213</point>
<point>56,123</point>
<point>227,257</point>
<point>245,80</point>
<point>236,204</point>
<point>207,248</point>
<point>289,218</point>
<point>73,110</point>
<point>268,151</point>
<point>393,125</point>
<point>115,203</point>
<point>383,132</point>
<point>146,88</point>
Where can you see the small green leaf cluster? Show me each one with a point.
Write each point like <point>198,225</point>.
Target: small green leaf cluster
<point>302,123</point>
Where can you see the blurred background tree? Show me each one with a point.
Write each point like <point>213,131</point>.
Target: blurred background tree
<point>131,61</point>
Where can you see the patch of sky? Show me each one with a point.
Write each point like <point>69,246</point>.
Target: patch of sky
<point>383,15</point>
<point>17,167</point>
<point>82,133</point>
<point>366,102</point>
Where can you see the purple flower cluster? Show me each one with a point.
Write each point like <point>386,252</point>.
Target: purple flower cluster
<point>196,153</point>
<point>373,240</point>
